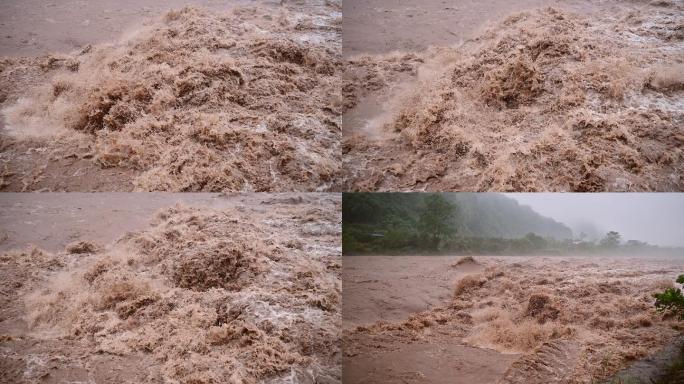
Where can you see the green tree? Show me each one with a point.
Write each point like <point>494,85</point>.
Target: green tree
<point>436,220</point>
<point>611,240</point>
<point>536,242</point>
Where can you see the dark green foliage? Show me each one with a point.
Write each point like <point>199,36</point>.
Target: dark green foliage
<point>396,223</point>
<point>612,240</point>
<point>481,215</point>
<point>463,223</point>
<point>671,300</point>
<point>436,221</point>
<point>381,208</point>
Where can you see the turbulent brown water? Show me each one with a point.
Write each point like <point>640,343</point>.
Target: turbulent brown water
<point>508,320</point>
<point>245,100</point>
<point>241,294</point>
<point>547,100</point>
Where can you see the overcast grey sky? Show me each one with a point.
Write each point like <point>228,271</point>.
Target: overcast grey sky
<point>657,218</point>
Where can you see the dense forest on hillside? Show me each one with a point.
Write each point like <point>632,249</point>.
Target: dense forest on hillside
<point>463,223</point>
<point>478,215</point>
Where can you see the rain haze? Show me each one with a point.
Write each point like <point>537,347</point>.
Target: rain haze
<point>657,218</point>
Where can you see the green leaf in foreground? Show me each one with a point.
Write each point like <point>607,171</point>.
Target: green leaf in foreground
<point>671,300</point>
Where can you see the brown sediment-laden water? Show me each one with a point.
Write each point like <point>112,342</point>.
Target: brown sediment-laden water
<point>571,98</point>
<point>240,289</point>
<point>502,319</point>
<point>246,99</point>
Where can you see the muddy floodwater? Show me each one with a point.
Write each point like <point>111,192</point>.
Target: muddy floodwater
<point>513,96</point>
<point>422,319</point>
<point>199,97</point>
<point>172,177</point>
<point>383,26</point>
<point>171,288</point>
<point>36,27</point>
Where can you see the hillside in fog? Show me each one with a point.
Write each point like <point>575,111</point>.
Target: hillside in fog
<point>477,215</point>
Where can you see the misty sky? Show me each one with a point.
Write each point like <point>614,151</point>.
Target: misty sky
<point>657,218</point>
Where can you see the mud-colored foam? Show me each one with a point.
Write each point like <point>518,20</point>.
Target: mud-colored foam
<point>247,100</point>
<point>545,100</point>
<point>211,295</point>
<point>573,319</point>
